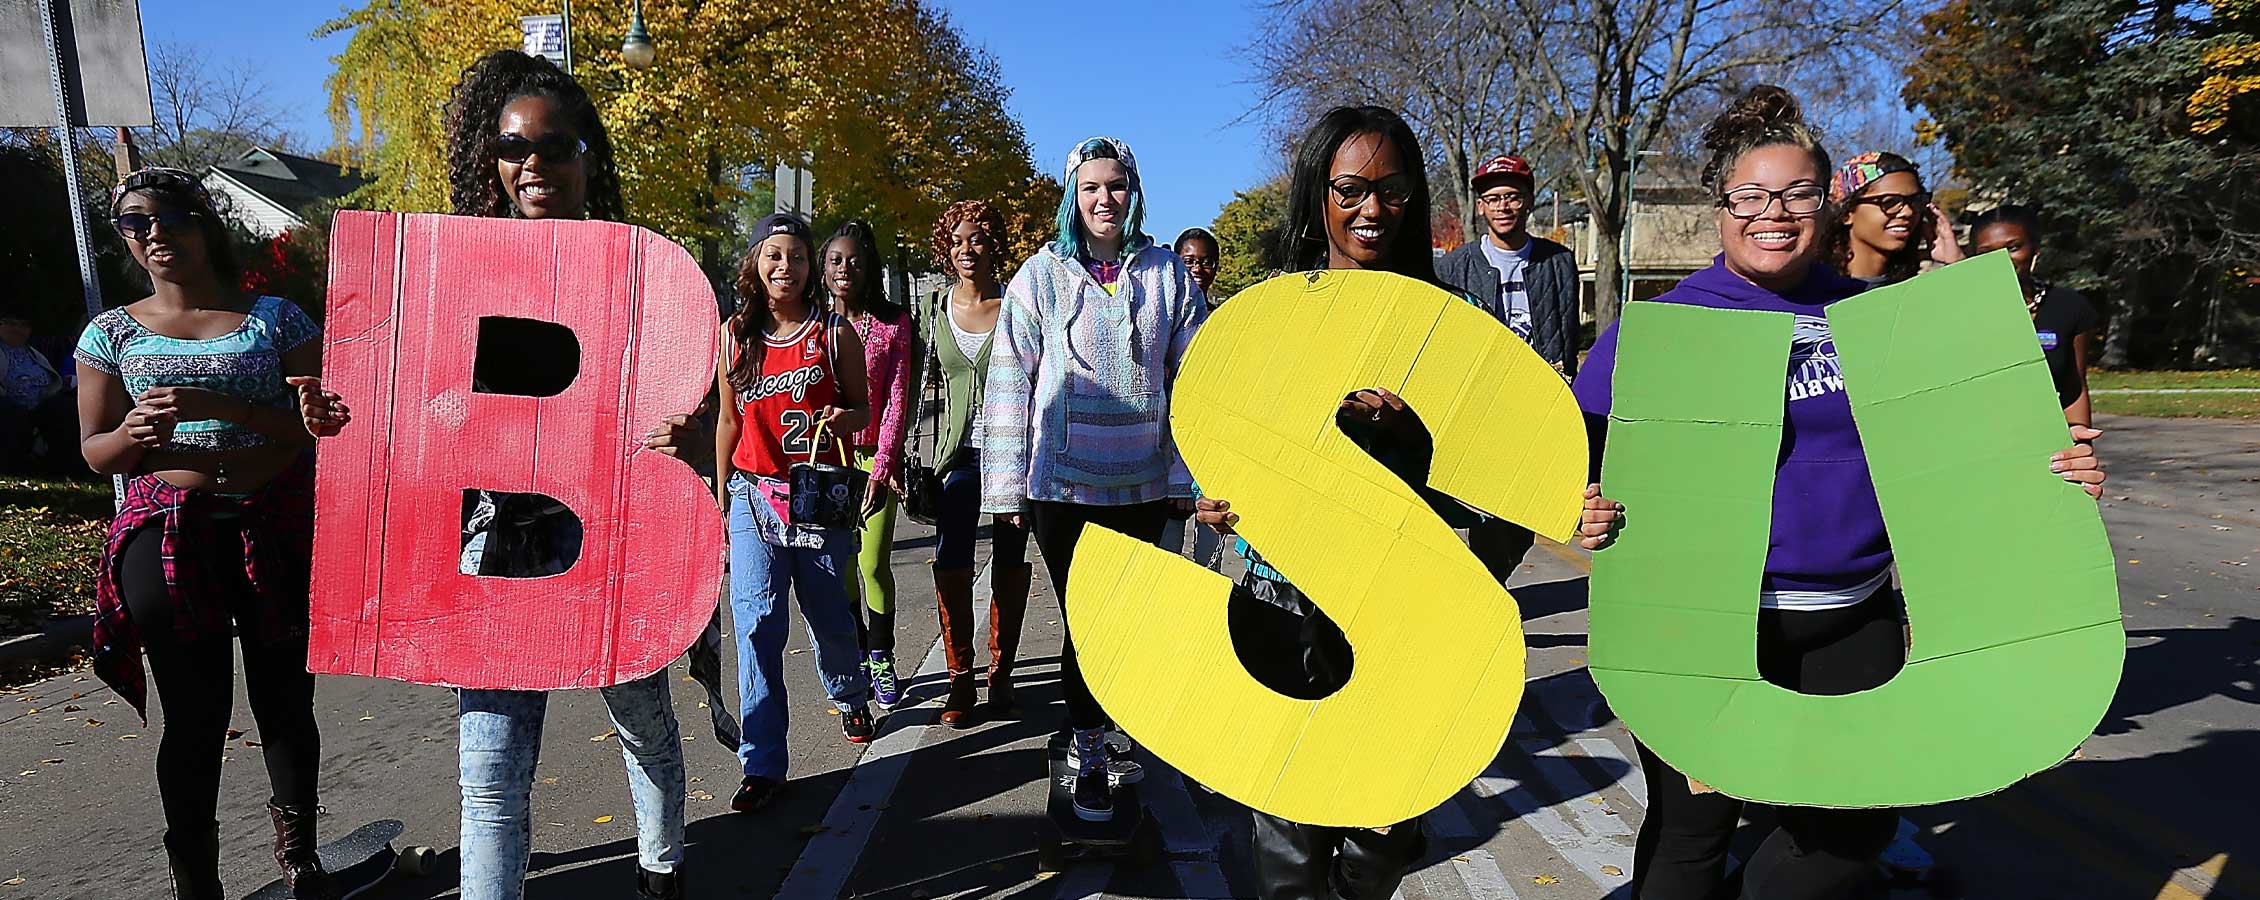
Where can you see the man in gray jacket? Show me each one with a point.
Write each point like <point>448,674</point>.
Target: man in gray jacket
<point>1530,284</point>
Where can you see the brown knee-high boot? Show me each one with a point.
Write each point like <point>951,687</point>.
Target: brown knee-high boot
<point>1005,612</point>
<point>953,592</point>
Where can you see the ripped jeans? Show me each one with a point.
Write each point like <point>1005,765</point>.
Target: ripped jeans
<point>500,744</point>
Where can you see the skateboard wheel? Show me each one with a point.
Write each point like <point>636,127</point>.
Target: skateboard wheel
<point>416,861</point>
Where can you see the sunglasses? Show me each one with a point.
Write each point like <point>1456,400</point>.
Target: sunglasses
<point>1891,204</point>
<point>516,148</point>
<point>1351,191</point>
<point>139,226</point>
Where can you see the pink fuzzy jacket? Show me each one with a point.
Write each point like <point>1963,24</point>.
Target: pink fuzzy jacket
<point>888,352</point>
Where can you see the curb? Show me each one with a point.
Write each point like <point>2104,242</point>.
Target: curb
<point>52,644</point>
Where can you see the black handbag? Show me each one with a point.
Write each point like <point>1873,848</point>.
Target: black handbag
<point>825,495</point>
<point>921,485</point>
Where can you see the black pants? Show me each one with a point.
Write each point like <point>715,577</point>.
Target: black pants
<point>1305,655</point>
<point>1814,854</point>
<point>196,689</point>
<point>1500,545</point>
<point>1056,527</point>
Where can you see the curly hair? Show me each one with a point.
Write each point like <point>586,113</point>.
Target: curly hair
<point>1763,116</point>
<point>980,213</point>
<point>475,110</point>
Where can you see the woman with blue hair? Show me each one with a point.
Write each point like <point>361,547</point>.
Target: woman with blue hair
<point>1075,414</point>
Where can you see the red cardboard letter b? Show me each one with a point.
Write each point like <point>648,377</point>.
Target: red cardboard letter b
<point>407,296</point>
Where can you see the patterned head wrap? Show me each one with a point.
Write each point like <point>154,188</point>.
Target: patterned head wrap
<point>1860,171</point>
<point>1100,148</point>
<point>160,177</point>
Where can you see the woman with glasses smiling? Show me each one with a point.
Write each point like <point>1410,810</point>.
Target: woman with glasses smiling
<point>1357,199</point>
<point>184,393</point>
<point>524,141</point>
<point>1829,617</point>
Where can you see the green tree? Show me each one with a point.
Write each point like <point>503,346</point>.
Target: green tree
<point>2081,108</point>
<point>1252,228</point>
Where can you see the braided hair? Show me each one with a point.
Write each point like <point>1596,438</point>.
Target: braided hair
<point>474,111</point>
<point>870,296</point>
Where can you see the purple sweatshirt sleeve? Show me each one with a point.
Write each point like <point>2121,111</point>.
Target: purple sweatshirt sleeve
<point>1593,386</point>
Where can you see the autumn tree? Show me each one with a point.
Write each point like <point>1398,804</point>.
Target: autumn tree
<point>2084,109</point>
<point>937,133</point>
<point>872,92</point>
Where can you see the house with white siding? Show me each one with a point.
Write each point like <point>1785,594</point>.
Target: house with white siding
<point>269,191</point>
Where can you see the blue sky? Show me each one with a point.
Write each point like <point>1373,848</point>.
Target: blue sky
<point>1163,75</point>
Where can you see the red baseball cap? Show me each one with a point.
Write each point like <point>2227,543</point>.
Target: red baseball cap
<point>1503,166</point>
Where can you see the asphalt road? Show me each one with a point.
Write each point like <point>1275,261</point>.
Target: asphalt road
<point>2160,803</point>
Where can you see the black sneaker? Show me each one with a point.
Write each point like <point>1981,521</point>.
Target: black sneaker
<point>1094,789</point>
<point>652,885</point>
<point>857,725</point>
<point>755,793</point>
<point>1094,799</point>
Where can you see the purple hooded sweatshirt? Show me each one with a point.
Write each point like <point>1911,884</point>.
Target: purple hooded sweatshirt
<point>1827,529</point>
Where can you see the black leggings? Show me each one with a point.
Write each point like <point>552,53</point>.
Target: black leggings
<point>1056,527</point>
<point>1815,854</point>
<point>196,689</point>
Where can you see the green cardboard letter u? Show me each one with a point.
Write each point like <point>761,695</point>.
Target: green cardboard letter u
<point>2012,602</point>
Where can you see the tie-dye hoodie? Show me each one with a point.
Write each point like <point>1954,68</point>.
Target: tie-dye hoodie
<point>1076,409</point>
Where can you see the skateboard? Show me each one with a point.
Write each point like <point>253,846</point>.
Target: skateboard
<point>1071,837</point>
<point>359,860</point>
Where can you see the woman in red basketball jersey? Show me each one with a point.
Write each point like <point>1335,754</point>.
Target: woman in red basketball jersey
<point>793,375</point>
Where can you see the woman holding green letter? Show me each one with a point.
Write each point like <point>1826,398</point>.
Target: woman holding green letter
<point>1829,618</point>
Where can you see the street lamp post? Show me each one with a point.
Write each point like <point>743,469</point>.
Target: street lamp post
<point>1631,215</point>
<point>638,50</point>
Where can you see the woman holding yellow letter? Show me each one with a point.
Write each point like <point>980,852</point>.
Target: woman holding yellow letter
<point>1829,617</point>
<point>1358,199</point>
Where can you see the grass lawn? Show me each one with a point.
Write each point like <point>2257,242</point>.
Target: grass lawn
<point>2178,406</point>
<point>2099,380</point>
<point>50,545</point>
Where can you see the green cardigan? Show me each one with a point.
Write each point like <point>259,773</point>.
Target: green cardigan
<point>962,382</point>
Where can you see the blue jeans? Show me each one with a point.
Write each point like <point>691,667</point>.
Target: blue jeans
<point>761,574</point>
<point>500,743</point>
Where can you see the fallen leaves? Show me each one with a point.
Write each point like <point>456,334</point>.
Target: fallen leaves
<point>1544,879</point>
<point>603,820</point>
<point>1611,871</point>
<point>604,737</point>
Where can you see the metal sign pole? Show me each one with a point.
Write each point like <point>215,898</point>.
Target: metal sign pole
<point>89,281</point>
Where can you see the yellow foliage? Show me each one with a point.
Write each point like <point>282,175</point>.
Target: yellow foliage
<point>2232,69</point>
<point>879,94</point>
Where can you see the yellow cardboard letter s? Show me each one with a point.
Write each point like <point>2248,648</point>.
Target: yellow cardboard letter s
<point>1438,644</point>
